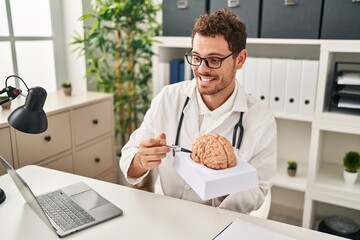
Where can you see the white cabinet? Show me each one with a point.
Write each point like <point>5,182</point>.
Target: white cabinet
<point>5,147</point>
<point>318,142</point>
<point>79,139</point>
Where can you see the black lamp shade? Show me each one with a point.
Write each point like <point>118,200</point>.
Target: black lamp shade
<point>31,118</point>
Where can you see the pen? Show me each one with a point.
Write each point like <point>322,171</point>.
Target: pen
<point>179,149</point>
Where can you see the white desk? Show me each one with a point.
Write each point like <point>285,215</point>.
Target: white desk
<point>146,215</point>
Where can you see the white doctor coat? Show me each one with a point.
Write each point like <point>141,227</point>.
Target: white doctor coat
<point>258,146</point>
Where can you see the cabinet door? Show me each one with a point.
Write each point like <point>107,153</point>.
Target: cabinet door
<point>92,121</point>
<point>95,159</point>
<point>33,148</point>
<point>109,176</point>
<point>5,148</point>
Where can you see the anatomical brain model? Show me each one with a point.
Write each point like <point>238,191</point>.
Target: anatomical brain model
<point>213,151</point>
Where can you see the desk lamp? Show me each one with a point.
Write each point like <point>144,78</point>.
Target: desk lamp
<point>29,118</point>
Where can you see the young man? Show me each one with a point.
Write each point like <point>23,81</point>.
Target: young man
<point>213,102</point>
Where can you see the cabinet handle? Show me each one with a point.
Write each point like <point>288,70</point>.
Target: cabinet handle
<point>233,3</point>
<point>47,138</point>
<point>290,2</point>
<point>97,160</point>
<point>276,99</point>
<point>291,100</point>
<point>182,4</point>
<point>95,121</point>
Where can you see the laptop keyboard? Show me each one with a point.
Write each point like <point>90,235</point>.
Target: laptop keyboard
<point>66,213</point>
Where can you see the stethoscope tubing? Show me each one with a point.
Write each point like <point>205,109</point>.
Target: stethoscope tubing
<point>239,125</point>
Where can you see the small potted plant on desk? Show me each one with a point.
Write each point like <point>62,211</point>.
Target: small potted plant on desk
<point>6,105</point>
<point>351,162</point>
<point>67,88</point>
<point>292,167</point>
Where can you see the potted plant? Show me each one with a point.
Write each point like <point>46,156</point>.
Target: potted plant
<point>6,105</point>
<point>351,162</point>
<point>118,51</point>
<point>66,88</point>
<point>292,167</point>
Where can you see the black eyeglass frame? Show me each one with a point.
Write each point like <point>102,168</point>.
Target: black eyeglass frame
<point>189,54</point>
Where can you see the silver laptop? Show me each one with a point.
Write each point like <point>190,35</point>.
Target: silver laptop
<point>69,209</point>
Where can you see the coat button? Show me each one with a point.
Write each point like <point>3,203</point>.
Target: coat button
<point>187,187</point>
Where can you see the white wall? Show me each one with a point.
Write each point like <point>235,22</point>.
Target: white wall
<point>75,63</point>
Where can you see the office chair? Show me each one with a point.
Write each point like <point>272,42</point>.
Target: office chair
<point>157,186</point>
<point>263,211</point>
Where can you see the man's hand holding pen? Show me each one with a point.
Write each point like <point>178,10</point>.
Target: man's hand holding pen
<point>150,154</point>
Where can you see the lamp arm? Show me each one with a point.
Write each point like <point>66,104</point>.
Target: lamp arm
<point>12,93</point>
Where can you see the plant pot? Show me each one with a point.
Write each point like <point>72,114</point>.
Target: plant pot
<point>67,91</point>
<point>291,172</point>
<point>350,177</point>
<point>6,105</point>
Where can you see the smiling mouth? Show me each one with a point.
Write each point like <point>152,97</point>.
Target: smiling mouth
<point>206,79</point>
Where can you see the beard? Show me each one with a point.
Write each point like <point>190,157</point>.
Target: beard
<point>218,86</point>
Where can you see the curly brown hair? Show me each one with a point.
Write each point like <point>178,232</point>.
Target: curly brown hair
<point>222,22</point>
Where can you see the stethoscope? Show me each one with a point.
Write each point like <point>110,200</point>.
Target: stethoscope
<point>239,126</point>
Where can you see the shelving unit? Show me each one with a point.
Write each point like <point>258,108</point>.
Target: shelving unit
<point>333,134</point>
<point>318,142</point>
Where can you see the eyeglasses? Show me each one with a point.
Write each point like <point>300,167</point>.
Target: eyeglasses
<point>211,62</point>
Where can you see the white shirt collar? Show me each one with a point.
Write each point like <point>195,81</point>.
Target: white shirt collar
<point>227,106</point>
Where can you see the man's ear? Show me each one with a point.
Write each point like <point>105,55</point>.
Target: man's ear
<point>240,59</point>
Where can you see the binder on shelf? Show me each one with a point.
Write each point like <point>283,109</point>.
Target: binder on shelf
<point>277,85</point>
<point>250,75</point>
<point>308,87</point>
<point>181,71</point>
<point>164,77</point>
<point>176,70</point>
<point>263,77</point>
<point>292,87</point>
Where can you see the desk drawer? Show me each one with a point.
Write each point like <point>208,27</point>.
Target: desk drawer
<point>33,148</point>
<point>64,164</point>
<point>92,121</point>
<point>95,159</point>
